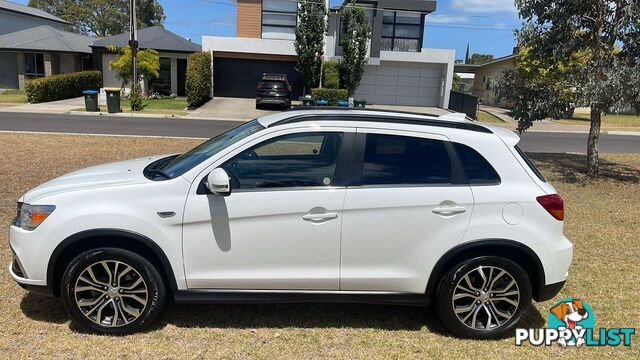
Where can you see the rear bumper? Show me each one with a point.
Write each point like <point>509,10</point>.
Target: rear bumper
<point>273,100</point>
<point>548,292</point>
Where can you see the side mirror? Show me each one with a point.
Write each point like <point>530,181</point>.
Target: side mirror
<point>218,182</point>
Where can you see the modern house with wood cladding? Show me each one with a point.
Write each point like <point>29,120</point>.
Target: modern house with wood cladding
<point>400,71</point>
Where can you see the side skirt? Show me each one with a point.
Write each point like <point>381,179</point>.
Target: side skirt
<point>206,296</point>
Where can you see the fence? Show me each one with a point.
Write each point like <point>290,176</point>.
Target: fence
<point>464,103</point>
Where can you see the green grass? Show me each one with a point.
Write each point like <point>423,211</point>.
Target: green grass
<point>485,117</point>
<point>609,121</point>
<point>164,106</point>
<point>13,96</point>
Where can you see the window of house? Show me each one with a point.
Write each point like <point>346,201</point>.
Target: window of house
<point>402,31</point>
<point>279,19</point>
<point>405,160</point>
<point>34,65</point>
<point>295,160</point>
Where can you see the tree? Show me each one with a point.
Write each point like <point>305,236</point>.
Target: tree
<point>478,59</point>
<point>148,64</point>
<point>102,17</point>
<point>356,33</point>
<point>455,85</point>
<point>467,59</point>
<point>309,43</point>
<point>604,35</point>
<point>534,79</point>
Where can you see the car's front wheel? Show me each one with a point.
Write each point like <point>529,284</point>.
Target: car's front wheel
<point>484,297</point>
<point>112,291</point>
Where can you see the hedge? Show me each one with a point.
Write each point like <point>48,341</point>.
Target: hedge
<point>63,86</point>
<point>331,75</point>
<point>331,95</point>
<point>198,79</point>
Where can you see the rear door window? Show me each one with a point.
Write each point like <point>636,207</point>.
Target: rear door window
<point>405,160</point>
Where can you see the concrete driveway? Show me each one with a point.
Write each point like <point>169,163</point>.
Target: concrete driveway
<point>223,108</point>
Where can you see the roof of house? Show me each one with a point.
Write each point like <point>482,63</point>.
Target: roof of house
<point>154,37</point>
<point>46,38</point>
<point>27,10</point>
<point>497,60</point>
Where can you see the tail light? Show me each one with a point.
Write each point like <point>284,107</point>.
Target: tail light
<point>553,204</point>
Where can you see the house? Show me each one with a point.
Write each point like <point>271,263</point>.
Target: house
<point>34,44</point>
<point>173,49</point>
<point>399,70</point>
<point>486,75</point>
<point>16,17</point>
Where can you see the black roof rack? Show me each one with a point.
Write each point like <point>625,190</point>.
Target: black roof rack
<point>378,118</point>
<point>346,108</point>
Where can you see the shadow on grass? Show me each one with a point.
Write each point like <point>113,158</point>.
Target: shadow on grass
<point>570,168</point>
<point>256,316</point>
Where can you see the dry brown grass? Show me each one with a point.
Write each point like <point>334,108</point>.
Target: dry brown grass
<point>603,221</point>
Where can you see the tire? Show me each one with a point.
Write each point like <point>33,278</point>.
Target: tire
<point>508,297</point>
<point>139,294</point>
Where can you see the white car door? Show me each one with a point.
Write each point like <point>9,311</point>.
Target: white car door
<point>280,227</point>
<point>408,204</point>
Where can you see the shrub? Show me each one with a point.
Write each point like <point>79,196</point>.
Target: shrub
<point>198,79</point>
<point>135,97</point>
<point>63,86</point>
<point>331,75</point>
<point>331,95</point>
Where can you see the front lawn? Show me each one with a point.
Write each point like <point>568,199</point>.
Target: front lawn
<point>487,118</point>
<point>163,106</point>
<point>609,121</point>
<point>13,97</point>
<point>602,220</point>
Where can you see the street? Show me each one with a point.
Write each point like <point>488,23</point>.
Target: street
<point>174,127</point>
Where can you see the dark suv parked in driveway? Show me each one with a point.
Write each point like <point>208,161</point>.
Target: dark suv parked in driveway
<point>274,89</point>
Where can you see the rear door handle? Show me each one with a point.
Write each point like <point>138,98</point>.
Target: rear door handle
<point>320,217</point>
<point>449,210</point>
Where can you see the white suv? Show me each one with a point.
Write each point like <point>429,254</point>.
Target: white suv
<point>307,205</point>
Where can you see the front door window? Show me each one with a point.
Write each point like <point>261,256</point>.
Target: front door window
<point>289,161</point>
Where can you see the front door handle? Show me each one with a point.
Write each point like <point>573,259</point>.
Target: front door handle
<point>449,210</point>
<point>320,217</point>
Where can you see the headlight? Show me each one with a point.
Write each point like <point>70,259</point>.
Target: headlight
<point>31,216</point>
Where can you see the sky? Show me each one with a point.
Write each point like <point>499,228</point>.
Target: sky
<point>486,25</point>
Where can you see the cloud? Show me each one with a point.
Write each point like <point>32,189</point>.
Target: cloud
<point>446,19</point>
<point>484,6</point>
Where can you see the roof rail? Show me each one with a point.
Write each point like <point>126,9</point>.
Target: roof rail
<point>383,118</point>
<point>345,108</point>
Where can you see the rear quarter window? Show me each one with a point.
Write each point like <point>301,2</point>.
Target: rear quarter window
<point>478,170</point>
<point>530,164</point>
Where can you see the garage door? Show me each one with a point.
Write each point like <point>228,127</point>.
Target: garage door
<point>401,84</point>
<point>8,70</point>
<point>239,77</point>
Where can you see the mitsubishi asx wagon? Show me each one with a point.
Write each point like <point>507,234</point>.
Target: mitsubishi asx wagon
<point>333,205</point>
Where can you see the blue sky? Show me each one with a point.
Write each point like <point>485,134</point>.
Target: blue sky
<point>487,25</point>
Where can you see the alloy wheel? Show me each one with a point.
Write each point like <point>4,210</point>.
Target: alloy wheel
<point>111,293</point>
<point>485,298</point>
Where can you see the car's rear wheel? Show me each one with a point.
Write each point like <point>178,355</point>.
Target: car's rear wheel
<point>112,291</point>
<point>484,297</point>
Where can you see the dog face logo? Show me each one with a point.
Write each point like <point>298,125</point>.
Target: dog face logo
<point>570,312</point>
<point>572,315</point>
